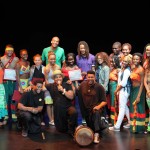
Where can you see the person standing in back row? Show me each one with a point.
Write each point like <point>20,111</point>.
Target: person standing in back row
<point>84,59</point>
<point>9,61</point>
<point>59,52</point>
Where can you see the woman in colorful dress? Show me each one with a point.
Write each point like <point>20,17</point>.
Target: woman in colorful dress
<point>146,66</point>
<point>23,71</point>
<point>3,104</point>
<point>113,78</point>
<point>137,95</point>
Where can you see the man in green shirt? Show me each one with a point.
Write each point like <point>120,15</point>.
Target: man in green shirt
<point>59,52</point>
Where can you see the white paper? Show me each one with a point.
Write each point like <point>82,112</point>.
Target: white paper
<point>9,74</point>
<point>75,75</point>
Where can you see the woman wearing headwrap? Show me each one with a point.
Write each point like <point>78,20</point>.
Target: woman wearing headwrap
<point>9,61</point>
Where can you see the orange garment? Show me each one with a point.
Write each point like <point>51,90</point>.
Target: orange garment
<point>135,76</point>
<point>1,76</point>
<point>113,76</point>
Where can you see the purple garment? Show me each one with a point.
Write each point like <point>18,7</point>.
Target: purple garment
<point>84,63</point>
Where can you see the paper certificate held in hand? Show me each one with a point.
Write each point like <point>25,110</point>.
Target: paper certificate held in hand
<point>75,75</point>
<point>10,74</point>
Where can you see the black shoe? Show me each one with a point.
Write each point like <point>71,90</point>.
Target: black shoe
<point>19,126</point>
<point>71,133</point>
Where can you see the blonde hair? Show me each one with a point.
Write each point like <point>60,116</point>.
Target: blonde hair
<point>128,58</point>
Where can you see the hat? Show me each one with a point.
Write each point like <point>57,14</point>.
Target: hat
<point>57,72</point>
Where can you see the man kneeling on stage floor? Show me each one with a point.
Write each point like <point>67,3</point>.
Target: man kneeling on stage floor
<point>30,107</point>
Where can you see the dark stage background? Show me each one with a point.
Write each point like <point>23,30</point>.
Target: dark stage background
<point>32,25</point>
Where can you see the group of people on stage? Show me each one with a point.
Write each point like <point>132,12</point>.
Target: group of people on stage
<point>114,85</point>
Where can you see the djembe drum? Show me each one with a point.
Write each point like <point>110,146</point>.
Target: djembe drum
<point>83,135</point>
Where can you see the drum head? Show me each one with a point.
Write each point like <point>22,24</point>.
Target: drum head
<point>84,136</point>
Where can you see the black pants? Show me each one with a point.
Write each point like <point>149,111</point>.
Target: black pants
<point>65,118</point>
<point>29,121</point>
<point>93,120</point>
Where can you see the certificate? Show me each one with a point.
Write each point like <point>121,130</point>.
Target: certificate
<point>10,74</point>
<point>75,75</point>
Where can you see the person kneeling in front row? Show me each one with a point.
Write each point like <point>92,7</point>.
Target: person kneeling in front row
<point>29,109</point>
<point>92,100</point>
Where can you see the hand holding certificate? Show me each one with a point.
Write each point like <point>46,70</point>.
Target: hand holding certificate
<point>75,75</point>
<point>9,74</point>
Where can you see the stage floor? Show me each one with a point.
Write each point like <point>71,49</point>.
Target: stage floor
<point>11,139</point>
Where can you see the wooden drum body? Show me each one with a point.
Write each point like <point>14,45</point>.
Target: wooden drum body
<point>84,136</point>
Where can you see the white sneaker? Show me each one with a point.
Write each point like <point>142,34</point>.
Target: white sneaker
<point>96,138</point>
<point>52,123</point>
<point>127,126</point>
<point>114,129</point>
<point>43,123</point>
<point>24,133</point>
<point>83,121</point>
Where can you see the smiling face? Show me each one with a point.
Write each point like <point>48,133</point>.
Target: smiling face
<point>148,51</point>
<point>70,60</point>
<point>90,79</point>
<point>58,79</point>
<point>116,48</point>
<point>126,62</point>
<point>136,60</point>
<point>38,87</point>
<point>37,61</point>
<point>100,60</point>
<point>9,53</point>
<point>126,50</point>
<point>82,50</point>
<point>52,59</point>
<point>55,42</point>
<point>24,55</point>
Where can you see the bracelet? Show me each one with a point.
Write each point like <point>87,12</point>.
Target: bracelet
<point>64,92</point>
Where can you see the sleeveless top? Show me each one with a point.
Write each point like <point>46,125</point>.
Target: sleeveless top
<point>24,69</point>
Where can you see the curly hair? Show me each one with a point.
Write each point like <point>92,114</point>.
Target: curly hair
<point>105,57</point>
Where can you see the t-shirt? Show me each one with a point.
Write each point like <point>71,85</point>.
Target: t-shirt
<point>31,99</point>
<point>57,96</point>
<point>91,96</point>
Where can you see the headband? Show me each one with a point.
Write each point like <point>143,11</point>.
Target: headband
<point>9,49</point>
<point>148,46</point>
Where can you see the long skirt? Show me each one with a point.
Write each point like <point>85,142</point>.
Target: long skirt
<point>113,111</point>
<point>137,114</point>
<point>3,106</point>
